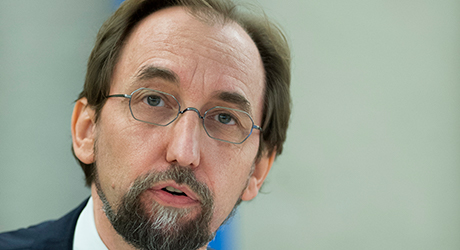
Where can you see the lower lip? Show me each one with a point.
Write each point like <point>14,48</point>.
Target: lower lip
<point>167,199</point>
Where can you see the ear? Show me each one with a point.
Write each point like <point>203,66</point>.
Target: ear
<point>261,169</point>
<point>83,131</point>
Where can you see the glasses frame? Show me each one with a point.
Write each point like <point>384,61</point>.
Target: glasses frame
<point>185,110</point>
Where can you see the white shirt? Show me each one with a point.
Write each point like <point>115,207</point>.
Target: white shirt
<point>86,236</point>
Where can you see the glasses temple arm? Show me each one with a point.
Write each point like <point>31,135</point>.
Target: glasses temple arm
<point>257,127</point>
<point>120,95</point>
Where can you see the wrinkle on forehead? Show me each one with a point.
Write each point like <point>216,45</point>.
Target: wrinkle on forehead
<point>215,54</point>
<point>190,43</point>
<point>175,30</point>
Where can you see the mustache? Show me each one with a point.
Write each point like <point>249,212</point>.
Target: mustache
<point>153,226</point>
<point>179,174</point>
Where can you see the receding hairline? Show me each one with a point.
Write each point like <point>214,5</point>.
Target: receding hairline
<point>206,17</point>
<point>205,14</point>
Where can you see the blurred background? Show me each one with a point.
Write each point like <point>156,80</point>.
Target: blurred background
<point>372,157</point>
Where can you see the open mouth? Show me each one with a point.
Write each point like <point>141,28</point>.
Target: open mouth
<point>173,191</point>
<point>174,195</point>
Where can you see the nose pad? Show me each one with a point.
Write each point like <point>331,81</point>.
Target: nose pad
<point>184,146</point>
<point>192,109</point>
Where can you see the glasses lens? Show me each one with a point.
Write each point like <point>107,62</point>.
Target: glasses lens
<point>228,124</point>
<point>154,106</point>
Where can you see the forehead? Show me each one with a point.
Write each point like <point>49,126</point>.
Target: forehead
<point>205,57</point>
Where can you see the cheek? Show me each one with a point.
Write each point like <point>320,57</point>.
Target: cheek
<point>232,165</point>
<point>126,151</point>
<point>230,171</point>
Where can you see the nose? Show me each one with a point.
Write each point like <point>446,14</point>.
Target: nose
<point>184,145</point>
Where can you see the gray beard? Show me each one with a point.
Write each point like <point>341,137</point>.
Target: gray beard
<point>153,226</point>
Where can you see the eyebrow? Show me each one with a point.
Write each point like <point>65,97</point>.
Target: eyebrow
<point>235,98</point>
<point>148,72</point>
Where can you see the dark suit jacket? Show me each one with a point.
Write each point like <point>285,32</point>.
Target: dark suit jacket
<point>49,235</point>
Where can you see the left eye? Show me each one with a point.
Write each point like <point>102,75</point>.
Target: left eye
<point>225,119</point>
<point>154,101</point>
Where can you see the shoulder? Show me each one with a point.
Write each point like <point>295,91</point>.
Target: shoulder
<point>55,234</point>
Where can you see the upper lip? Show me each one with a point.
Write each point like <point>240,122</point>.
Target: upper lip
<point>183,188</point>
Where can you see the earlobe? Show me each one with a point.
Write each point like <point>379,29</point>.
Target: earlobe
<point>262,167</point>
<point>83,129</point>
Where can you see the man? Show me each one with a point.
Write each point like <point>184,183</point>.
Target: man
<point>184,109</point>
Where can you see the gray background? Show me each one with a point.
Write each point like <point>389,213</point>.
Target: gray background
<point>372,157</point>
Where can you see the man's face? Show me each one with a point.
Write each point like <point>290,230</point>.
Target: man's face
<point>210,61</point>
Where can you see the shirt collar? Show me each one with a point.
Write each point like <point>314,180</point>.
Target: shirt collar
<point>86,236</point>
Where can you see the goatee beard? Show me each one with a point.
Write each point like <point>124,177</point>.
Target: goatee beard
<point>153,226</point>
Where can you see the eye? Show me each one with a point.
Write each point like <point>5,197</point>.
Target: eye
<point>225,119</point>
<point>154,101</point>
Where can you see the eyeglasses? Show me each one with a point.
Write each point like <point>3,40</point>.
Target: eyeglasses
<point>161,109</point>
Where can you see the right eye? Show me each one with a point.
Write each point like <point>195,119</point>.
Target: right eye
<point>225,118</point>
<point>154,101</point>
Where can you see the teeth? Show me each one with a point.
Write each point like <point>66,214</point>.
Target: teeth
<point>171,189</point>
